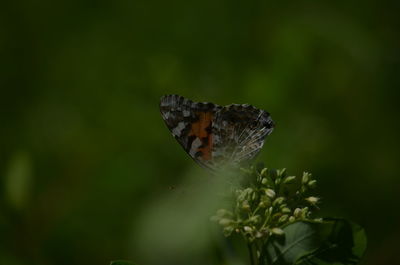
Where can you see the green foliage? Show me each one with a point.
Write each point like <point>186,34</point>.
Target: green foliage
<point>333,241</point>
<point>274,216</point>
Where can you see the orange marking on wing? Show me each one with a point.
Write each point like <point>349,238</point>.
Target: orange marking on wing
<point>198,129</point>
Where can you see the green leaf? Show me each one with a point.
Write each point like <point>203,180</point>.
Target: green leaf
<point>334,241</point>
<point>299,238</point>
<point>344,243</point>
<point>121,262</point>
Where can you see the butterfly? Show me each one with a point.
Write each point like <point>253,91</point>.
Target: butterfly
<point>213,135</point>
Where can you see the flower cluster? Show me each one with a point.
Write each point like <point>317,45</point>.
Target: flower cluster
<point>271,201</point>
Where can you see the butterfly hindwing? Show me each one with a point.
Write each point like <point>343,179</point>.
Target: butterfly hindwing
<point>239,132</point>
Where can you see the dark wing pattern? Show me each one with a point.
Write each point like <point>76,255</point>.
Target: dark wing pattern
<point>239,132</point>
<point>213,135</point>
<point>191,125</point>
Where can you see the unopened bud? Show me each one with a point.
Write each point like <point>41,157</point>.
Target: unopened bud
<point>225,222</point>
<point>278,201</point>
<point>304,212</point>
<point>265,201</point>
<point>306,177</point>
<point>277,181</point>
<point>283,218</point>
<point>255,219</point>
<point>281,172</point>
<point>312,183</point>
<point>286,210</point>
<point>292,219</point>
<point>297,212</point>
<point>263,172</point>
<point>289,179</point>
<point>277,231</point>
<point>312,200</point>
<point>228,230</point>
<point>248,229</point>
<point>246,206</point>
<point>270,193</point>
<point>259,234</point>
<point>264,181</point>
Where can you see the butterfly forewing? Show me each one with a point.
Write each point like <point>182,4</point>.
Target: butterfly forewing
<point>191,125</point>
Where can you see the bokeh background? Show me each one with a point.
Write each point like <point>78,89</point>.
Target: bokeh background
<point>83,149</point>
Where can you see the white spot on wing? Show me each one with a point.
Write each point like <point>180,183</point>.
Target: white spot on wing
<point>195,146</point>
<point>178,129</point>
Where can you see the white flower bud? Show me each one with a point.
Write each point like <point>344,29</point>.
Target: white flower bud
<point>283,218</point>
<point>312,200</point>
<point>263,171</point>
<point>225,222</point>
<point>270,193</point>
<point>306,177</point>
<point>278,201</point>
<point>246,206</point>
<point>277,231</point>
<point>281,172</point>
<point>312,183</point>
<point>248,229</point>
<point>289,179</point>
<point>297,212</point>
<point>264,181</point>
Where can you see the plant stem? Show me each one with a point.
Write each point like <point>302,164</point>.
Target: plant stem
<point>253,257</point>
<point>250,253</point>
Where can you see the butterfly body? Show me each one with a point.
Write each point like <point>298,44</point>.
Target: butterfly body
<point>215,135</point>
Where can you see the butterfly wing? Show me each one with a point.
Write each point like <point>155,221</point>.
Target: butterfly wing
<point>191,125</point>
<point>239,133</point>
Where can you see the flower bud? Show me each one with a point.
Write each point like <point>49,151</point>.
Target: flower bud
<point>270,193</point>
<point>264,181</point>
<point>228,230</point>
<point>264,171</point>
<point>225,222</point>
<point>269,211</point>
<point>312,200</point>
<point>247,229</point>
<point>289,179</point>
<point>255,219</point>
<point>277,181</point>
<point>281,172</point>
<point>292,219</point>
<point>297,212</point>
<point>312,183</point>
<point>306,177</point>
<point>304,212</point>
<point>277,231</point>
<point>278,201</point>
<point>283,218</point>
<point>285,210</point>
<point>259,234</point>
<point>246,206</point>
<point>265,201</point>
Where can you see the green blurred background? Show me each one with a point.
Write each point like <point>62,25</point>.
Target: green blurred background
<point>83,149</point>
